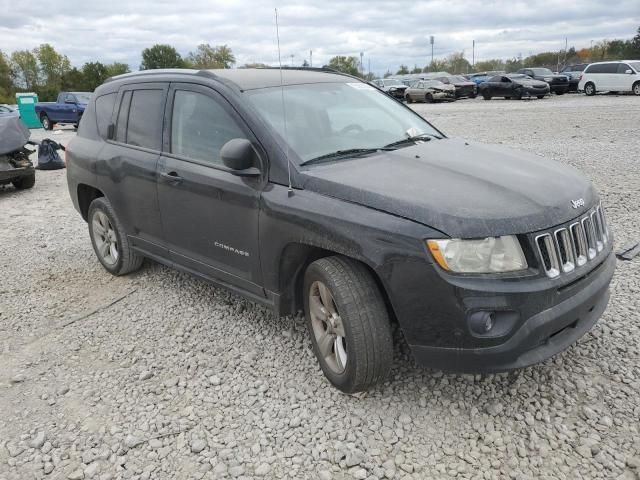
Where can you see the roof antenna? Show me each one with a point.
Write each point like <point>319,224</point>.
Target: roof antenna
<point>284,110</point>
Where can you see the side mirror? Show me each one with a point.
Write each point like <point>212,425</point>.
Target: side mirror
<point>111,130</point>
<point>629,71</point>
<point>239,156</point>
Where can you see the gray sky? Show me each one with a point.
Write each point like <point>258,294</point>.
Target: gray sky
<point>389,32</point>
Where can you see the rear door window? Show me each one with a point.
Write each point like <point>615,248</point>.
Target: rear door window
<point>123,116</point>
<point>144,128</point>
<point>140,117</point>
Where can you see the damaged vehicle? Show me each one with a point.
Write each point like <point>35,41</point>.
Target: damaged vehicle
<point>391,86</point>
<point>15,166</point>
<point>430,91</point>
<point>310,190</point>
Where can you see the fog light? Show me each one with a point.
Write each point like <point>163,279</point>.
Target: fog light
<point>481,322</point>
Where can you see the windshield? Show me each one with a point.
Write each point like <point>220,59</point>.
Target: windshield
<point>519,76</point>
<point>324,118</point>
<point>388,83</point>
<point>635,65</point>
<point>457,78</point>
<point>82,97</point>
<point>541,71</point>
<point>434,83</point>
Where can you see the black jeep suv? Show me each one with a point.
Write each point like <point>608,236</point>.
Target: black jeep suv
<point>311,190</point>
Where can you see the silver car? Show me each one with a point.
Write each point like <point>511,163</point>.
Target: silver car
<point>430,91</point>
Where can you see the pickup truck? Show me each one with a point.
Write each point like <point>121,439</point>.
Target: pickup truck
<point>67,109</point>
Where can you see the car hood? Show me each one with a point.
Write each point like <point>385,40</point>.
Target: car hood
<point>462,189</point>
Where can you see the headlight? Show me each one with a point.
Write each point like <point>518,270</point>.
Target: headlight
<point>547,79</point>
<point>487,255</point>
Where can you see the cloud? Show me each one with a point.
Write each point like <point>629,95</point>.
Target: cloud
<point>389,33</point>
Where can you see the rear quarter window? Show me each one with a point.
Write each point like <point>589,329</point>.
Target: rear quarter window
<point>104,112</point>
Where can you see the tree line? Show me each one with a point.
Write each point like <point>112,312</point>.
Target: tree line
<point>45,71</point>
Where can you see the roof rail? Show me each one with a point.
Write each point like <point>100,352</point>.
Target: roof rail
<point>159,71</point>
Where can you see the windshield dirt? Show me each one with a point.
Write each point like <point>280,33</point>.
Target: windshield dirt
<point>323,118</point>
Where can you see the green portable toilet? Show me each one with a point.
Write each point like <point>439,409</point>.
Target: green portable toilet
<point>26,107</point>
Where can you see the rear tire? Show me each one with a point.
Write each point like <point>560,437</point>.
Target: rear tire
<point>428,98</point>
<point>589,89</point>
<point>540,97</point>
<point>408,98</point>
<point>348,323</point>
<point>46,123</point>
<point>23,183</point>
<point>109,239</point>
<point>636,88</point>
<point>560,92</point>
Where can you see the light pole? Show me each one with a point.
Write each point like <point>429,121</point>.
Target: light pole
<point>292,59</point>
<point>473,55</point>
<point>311,58</point>
<point>361,64</point>
<point>432,41</point>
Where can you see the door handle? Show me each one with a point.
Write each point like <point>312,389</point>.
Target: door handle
<point>173,177</point>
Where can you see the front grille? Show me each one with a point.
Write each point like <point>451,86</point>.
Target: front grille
<point>573,246</point>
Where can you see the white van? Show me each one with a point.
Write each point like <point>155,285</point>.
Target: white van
<point>615,76</point>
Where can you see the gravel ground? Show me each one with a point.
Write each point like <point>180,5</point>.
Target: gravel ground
<point>159,375</point>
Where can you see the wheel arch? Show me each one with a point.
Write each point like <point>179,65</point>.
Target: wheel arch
<point>86,195</point>
<point>294,261</point>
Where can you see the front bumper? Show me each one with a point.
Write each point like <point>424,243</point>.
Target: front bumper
<point>567,313</point>
<point>559,87</point>
<point>449,96</point>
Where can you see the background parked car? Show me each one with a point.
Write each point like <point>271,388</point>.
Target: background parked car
<point>559,84</point>
<point>430,91</point>
<point>8,111</point>
<point>619,76</point>
<point>464,87</point>
<point>515,86</point>
<point>574,72</point>
<point>67,109</point>
<point>392,86</point>
<point>481,77</point>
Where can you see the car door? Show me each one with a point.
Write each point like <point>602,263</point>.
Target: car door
<point>127,165</point>
<point>609,76</point>
<point>624,81</point>
<point>209,215</point>
<point>68,109</point>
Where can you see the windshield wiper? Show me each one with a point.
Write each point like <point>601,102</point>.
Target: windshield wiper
<point>351,152</point>
<point>423,137</point>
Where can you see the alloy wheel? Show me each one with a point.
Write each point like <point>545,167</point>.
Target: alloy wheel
<point>328,328</point>
<point>105,238</point>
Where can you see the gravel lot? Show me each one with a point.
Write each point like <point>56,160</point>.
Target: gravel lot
<point>159,375</point>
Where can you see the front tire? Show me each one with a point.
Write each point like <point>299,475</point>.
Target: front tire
<point>46,123</point>
<point>540,97</point>
<point>348,323</point>
<point>23,183</point>
<point>109,239</point>
<point>486,95</point>
<point>636,88</point>
<point>408,98</point>
<point>428,98</point>
<point>589,89</point>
